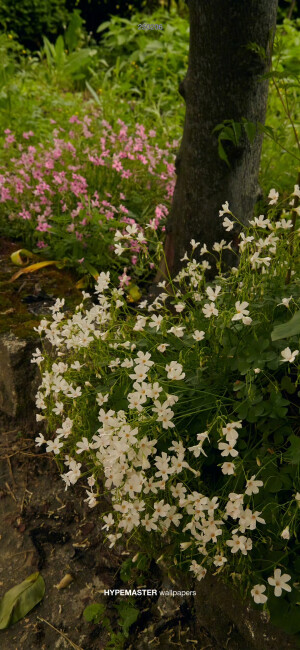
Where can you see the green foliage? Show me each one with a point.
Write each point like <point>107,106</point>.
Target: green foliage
<point>128,615</point>
<point>21,599</point>
<point>94,613</point>
<point>280,150</point>
<point>66,67</point>
<point>29,19</point>
<point>285,330</point>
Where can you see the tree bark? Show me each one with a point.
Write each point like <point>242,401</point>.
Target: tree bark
<point>223,81</point>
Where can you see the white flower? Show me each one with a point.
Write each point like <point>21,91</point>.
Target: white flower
<point>177,331</point>
<point>253,486</point>
<point>54,445</point>
<point>184,258</point>
<point>228,449</point>
<point>219,560</point>
<point>179,307</point>
<point>144,359</point>
<point>156,321</point>
<point>230,431</point>
<point>285,224</point>
<point>198,570</point>
<point>140,323</point>
<point>37,357</point>
<point>228,224</point>
<point>154,390</point>
<point>194,244</point>
<point>127,363</point>
<point>209,310</point>
<point>273,196</point>
<point>65,429</point>
<point>236,543</point>
<point>213,293</point>
<point>140,373</point>
<point>297,496</point>
<point>113,539</point>
<point>100,399</point>
<point>296,191</point>
<point>40,440</point>
<point>91,499</point>
<point>165,417</point>
<point>218,246</point>
<point>119,249</point>
<point>148,523</point>
<point>285,533</point>
<point>280,582</point>
<point>288,355</point>
<point>228,468</point>
<point>257,370</point>
<point>260,222</point>
<point>174,371</point>
<point>257,594</point>
<point>246,320</point>
<point>102,282</point>
<point>109,521</point>
<point>241,308</point>
<point>198,336</point>
<point>58,408</point>
<point>82,446</point>
<point>161,509</point>
<point>171,400</point>
<point>162,347</point>
<point>285,301</point>
<point>225,209</point>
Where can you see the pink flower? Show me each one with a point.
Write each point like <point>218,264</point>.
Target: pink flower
<point>25,214</point>
<point>124,278</point>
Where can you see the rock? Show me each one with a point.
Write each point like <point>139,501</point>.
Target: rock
<point>18,378</point>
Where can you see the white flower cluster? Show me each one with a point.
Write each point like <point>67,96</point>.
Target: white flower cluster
<point>147,474</point>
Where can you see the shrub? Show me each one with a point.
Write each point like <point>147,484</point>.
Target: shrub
<point>186,410</point>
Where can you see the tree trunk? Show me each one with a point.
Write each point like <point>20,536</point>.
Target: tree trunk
<point>223,81</point>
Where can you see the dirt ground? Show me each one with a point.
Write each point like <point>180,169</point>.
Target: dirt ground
<point>45,528</point>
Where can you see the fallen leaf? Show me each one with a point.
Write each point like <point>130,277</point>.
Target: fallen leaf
<point>7,311</point>
<point>21,599</point>
<point>17,257</point>
<point>35,267</point>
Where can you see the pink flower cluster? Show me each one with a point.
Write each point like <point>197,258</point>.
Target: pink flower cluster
<point>82,184</point>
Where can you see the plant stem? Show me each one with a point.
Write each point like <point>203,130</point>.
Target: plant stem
<point>292,234</point>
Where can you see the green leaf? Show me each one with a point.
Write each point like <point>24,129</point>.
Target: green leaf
<point>285,330</point>
<point>222,153</point>
<point>93,93</point>
<point>128,614</point>
<point>126,570</point>
<point>21,599</point>
<point>287,384</point>
<point>94,612</point>
<point>103,26</point>
<point>250,130</point>
<point>293,453</point>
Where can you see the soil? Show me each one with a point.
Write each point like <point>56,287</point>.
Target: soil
<point>45,528</point>
<point>24,301</point>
